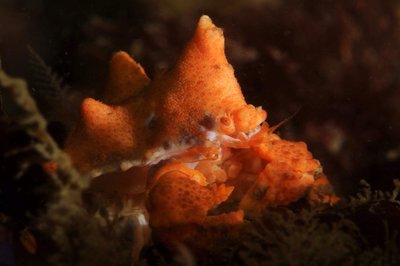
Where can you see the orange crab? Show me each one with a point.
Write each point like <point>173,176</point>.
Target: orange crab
<point>143,121</point>
<point>192,134</point>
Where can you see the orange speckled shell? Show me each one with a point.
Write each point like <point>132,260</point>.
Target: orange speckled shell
<point>169,109</point>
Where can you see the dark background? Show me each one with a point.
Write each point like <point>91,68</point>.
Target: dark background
<point>335,63</point>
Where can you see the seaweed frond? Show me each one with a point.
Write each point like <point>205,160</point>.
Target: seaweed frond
<point>41,148</point>
<point>28,117</point>
<point>367,195</point>
<point>75,236</point>
<point>44,79</point>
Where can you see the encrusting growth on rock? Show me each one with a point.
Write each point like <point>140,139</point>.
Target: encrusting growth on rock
<point>198,140</point>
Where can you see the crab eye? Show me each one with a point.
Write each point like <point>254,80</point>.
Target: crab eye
<point>226,125</point>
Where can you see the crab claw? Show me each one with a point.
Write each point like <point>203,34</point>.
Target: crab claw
<point>179,195</point>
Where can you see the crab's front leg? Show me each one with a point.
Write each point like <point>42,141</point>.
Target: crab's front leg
<point>179,195</point>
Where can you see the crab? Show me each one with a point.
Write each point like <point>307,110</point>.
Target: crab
<point>191,136</point>
<point>143,122</point>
